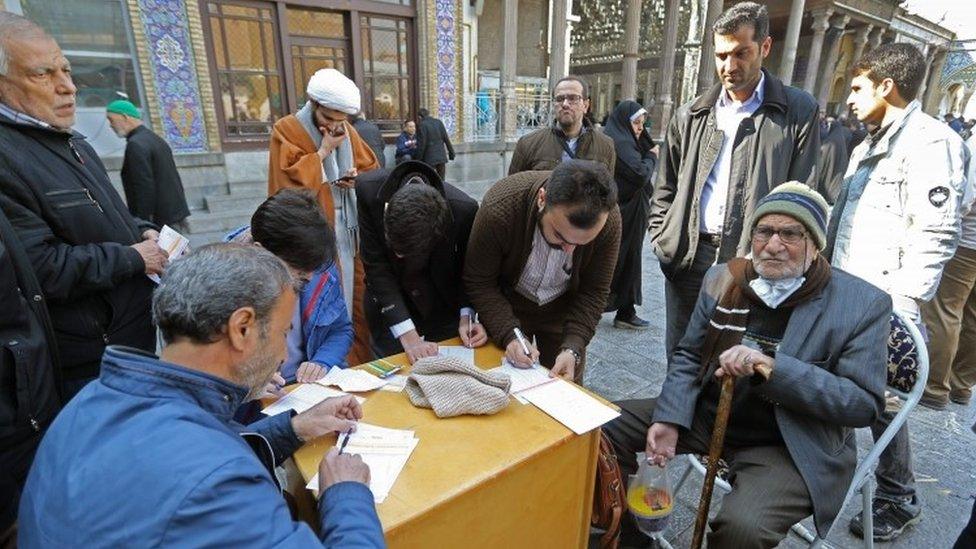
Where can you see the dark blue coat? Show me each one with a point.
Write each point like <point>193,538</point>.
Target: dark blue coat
<point>148,456</point>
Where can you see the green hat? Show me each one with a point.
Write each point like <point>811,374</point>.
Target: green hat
<point>799,202</point>
<point>121,106</point>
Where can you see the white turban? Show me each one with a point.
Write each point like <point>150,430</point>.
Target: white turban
<point>331,89</point>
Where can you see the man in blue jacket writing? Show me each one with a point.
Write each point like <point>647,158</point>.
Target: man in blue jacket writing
<point>149,455</point>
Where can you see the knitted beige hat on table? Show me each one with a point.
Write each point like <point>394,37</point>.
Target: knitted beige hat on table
<point>452,387</point>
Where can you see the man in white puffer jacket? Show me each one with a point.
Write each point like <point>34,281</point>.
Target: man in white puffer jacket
<point>895,224</point>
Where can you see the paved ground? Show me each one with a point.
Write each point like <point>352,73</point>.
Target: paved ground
<point>624,364</point>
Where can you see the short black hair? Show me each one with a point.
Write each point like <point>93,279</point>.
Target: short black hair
<point>423,113</point>
<point>416,219</point>
<point>291,225</point>
<point>744,13</point>
<point>585,187</point>
<point>574,78</point>
<point>902,63</point>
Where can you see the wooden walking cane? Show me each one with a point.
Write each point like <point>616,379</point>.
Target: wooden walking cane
<point>715,452</point>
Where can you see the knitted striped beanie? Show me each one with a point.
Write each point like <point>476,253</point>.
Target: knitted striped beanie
<point>799,202</point>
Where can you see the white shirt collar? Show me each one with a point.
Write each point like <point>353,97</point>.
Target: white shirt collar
<point>758,95</point>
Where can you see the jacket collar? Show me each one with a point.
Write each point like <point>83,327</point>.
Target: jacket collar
<point>773,94</point>
<point>140,373</point>
<point>801,323</point>
<point>890,133</point>
<point>17,119</point>
<point>558,131</point>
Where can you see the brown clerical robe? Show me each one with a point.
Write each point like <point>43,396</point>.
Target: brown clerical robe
<point>295,164</point>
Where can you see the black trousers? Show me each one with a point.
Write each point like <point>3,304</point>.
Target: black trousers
<point>681,292</point>
<point>768,494</point>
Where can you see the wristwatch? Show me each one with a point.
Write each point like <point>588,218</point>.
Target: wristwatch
<point>576,355</point>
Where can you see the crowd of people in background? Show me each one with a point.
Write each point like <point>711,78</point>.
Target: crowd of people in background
<point>791,243</point>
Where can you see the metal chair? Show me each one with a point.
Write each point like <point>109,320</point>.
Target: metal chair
<point>908,370</point>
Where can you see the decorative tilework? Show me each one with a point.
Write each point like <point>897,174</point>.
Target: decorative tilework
<point>447,36</point>
<point>955,69</point>
<point>177,89</point>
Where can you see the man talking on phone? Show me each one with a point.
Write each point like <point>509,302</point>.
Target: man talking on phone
<point>318,149</point>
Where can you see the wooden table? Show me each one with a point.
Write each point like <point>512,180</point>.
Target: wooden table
<point>515,479</point>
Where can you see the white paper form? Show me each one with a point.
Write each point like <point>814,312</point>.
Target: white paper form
<point>384,450</point>
<point>173,243</point>
<point>464,353</point>
<point>395,383</point>
<point>523,379</point>
<point>570,406</point>
<point>354,381</point>
<point>303,398</point>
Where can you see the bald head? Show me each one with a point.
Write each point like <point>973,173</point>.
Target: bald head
<point>35,77</point>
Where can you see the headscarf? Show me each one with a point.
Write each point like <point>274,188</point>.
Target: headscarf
<point>629,147</point>
<point>331,89</point>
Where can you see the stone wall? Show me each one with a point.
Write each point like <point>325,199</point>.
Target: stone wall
<point>533,17</point>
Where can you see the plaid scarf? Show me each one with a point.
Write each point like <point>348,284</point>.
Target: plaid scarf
<point>731,316</point>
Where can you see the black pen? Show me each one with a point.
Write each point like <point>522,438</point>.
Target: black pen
<point>345,441</point>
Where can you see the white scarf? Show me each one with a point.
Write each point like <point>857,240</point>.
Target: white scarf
<point>774,292</point>
<point>334,166</point>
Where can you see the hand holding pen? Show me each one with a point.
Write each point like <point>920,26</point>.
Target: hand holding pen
<point>520,352</point>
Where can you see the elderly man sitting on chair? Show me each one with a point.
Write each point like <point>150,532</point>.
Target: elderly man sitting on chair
<point>819,331</point>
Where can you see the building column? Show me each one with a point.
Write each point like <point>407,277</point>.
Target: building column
<point>933,88</point>
<point>928,52</point>
<point>875,40</point>
<point>508,72</point>
<point>860,41</point>
<point>706,65</point>
<point>821,22</point>
<point>661,112</point>
<point>792,39</point>
<point>609,104</point>
<point>830,64</point>
<point>559,53</point>
<point>628,82</point>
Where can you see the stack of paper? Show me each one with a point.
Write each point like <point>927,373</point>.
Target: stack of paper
<point>173,243</point>
<point>303,398</point>
<point>385,451</point>
<point>464,353</point>
<point>354,381</point>
<point>523,379</point>
<point>570,406</point>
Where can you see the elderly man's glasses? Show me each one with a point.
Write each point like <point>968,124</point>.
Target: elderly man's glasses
<point>572,98</point>
<point>789,235</point>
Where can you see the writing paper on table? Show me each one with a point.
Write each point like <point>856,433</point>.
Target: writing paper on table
<point>303,398</point>
<point>570,406</point>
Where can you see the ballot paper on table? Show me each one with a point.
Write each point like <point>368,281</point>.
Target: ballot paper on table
<point>353,381</point>
<point>303,398</point>
<point>464,353</point>
<point>395,383</point>
<point>173,243</point>
<point>384,450</point>
<point>523,379</point>
<point>568,405</point>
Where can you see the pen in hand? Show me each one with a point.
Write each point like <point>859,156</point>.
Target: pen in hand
<point>345,441</point>
<point>521,339</point>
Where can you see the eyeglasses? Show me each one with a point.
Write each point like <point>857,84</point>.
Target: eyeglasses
<point>572,98</point>
<point>789,235</point>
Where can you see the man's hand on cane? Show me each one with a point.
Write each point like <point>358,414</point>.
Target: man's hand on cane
<point>741,361</point>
